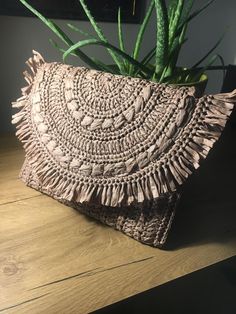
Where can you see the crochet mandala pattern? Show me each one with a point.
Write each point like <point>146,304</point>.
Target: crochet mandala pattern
<point>116,148</point>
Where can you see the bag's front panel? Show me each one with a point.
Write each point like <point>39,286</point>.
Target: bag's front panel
<point>96,138</point>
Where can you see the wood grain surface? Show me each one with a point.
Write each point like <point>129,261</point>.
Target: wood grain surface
<point>55,260</point>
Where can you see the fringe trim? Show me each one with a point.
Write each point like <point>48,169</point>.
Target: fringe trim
<point>165,178</point>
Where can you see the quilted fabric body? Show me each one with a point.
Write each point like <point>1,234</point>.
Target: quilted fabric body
<point>116,148</point>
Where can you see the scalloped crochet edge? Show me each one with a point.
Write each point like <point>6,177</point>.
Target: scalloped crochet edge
<point>165,179</point>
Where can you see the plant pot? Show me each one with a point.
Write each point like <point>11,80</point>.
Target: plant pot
<point>199,85</point>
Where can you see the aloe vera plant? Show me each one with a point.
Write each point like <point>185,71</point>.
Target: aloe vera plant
<point>160,63</point>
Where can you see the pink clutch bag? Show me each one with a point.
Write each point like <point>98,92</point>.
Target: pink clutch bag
<point>116,148</point>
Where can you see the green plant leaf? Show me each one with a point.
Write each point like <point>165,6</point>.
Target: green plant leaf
<point>171,63</point>
<point>87,42</point>
<point>186,10</point>
<point>203,69</point>
<point>78,30</point>
<point>49,23</point>
<point>149,56</point>
<point>147,59</point>
<point>140,35</point>
<point>223,67</point>
<point>174,53</point>
<point>209,52</point>
<point>175,22</point>
<point>55,44</point>
<point>171,9</point>
<point>195,74</point>
<point>60,34</point>
<point>100,33</point>
<point>162,37</point>
<point>142,30</point>
<point>120,35</point>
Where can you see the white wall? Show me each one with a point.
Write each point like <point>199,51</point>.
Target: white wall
<point>19,35</point>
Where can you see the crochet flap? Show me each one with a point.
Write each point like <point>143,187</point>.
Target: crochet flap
<point>91,136</point>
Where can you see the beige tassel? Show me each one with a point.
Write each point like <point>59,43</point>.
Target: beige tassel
<point>183,165</point>
<point>153,187</point>
<point>115,195</point>
<point>169,178</point>
<point>146,188</point>
<point>17,117</point>
<point>108,196</point>
<point>28,77</point>
<point>140,194</point>
<point>130,194</point>
<point>104,194</point>
<point>175,174</point>
<point>121,194</point>
<point>18,104</point>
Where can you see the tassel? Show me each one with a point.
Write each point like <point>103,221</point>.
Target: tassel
<point>28,77</point>
<point>18,104</point>
<point>175,174</point>
<point>169,178</point>
<point>98,193</point>
<point>130,194</point>
<point>226,96</point>
<point>82,195</point>
<point>211,121</point>
<point>115,195</point>
<point>140,194</point>
<point>183,174</point>
<point>87,193</point>
<point>153,187</point>
<point>157,181</point>
<point>17,117</point>
<point>183,165</point>
<point>121,193</point>
<point>108,195</point>
<point>146,188</point>
<point>135,190</point>
<point>53,184</point>
<point>78,192</point>
<point>163,185</point>
<point>104,194</point>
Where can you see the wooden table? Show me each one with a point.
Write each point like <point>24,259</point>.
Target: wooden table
<point>55,260</point>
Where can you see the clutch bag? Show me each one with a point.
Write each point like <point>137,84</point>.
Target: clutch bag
<point>116,148</point>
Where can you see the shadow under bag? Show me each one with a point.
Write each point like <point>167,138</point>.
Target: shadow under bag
<point>116,148</point>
